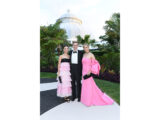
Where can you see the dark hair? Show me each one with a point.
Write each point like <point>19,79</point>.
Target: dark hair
<point>65,46</point>
<point>74,42</point>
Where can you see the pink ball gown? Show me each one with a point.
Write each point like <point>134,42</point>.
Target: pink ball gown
<point>64,88</point>
<point>91,94</point>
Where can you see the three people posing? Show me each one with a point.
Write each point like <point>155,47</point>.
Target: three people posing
<point>75,79</point>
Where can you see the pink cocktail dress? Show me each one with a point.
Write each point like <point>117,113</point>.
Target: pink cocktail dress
<point>91,94</point>
<point>64,89</point>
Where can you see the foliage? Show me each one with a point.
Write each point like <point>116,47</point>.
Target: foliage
<point>110,60</point>
<point>48,75</point>
<point>112,33</point>
<point>85,40</point>
<point>51,40</point>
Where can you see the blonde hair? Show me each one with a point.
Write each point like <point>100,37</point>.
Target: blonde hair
<point>85,44</point>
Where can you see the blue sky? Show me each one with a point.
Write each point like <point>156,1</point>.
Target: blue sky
<point>93,13</point>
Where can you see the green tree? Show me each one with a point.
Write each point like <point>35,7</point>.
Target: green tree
<point>86,40</point>
<point>110,60</point>
<point>112,33</point>
<point>51,40</point>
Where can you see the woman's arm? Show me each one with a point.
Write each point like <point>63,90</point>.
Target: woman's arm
<point>95,68</point>
<point>59,64</point>
<point>92,58</point>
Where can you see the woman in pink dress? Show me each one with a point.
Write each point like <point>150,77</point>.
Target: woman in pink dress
<point>64,76</point>
<point>90,93</point>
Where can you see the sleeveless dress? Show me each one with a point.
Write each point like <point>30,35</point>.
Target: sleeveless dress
<point>90,93</point>
<point>64,88</point>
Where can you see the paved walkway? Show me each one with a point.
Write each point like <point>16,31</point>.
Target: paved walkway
<point>48,86</point>
<point>55,108</point>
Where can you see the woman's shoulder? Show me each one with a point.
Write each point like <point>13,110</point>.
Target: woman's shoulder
<point>60,56</point>
<point>91,53</point>
<point>92,56</point>
<point>64,57</point>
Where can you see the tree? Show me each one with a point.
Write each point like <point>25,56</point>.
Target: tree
<point>51,38</point>
<point>86,40</point>
<point>112,33</point>
<point>110,60</point>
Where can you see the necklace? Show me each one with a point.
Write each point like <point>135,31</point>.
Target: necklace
<point>87,52</point>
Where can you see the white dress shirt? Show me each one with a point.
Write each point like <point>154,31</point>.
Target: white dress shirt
<point>74,57</point>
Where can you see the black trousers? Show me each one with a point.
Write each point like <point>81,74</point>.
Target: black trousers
<point>76,81</point>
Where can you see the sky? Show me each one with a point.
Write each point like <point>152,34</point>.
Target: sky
<point>93,13</point>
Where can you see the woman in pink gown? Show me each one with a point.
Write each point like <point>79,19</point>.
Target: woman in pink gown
<point>90,93</point>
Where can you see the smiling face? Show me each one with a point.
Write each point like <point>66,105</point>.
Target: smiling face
<point>75,45</point>
<point>86,48</point>
<point>65,49</point>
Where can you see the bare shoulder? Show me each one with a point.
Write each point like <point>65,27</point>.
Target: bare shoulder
<point>61,56</point>
<point>92,56</point>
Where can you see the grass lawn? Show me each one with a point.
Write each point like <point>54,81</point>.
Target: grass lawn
<point>48,75</point>
<point>111,88</point>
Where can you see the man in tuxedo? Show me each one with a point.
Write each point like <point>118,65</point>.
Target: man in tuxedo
<point>76,70</point>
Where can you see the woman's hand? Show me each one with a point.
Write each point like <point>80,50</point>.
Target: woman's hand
<point>58,74</point>
<point>89,72</point>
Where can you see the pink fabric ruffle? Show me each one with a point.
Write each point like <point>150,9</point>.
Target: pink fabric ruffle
<point>95,66</point>
<point>64,88</point>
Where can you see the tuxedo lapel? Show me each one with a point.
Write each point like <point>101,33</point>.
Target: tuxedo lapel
<point>71,56</point>
<point>70,53</point>
<point>78,57</point>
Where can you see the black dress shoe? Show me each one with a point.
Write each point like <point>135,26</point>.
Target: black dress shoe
<point>73,99</point>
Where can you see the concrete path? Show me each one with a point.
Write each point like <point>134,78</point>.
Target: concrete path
<point>48,86</point>
<point>54,108</point>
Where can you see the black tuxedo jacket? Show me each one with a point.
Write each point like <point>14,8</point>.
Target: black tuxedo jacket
<point>80,56</point>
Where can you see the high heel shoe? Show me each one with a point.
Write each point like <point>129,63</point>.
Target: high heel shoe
<point>67,99</point>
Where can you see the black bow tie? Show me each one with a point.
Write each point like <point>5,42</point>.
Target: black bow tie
<point>74,51</point>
